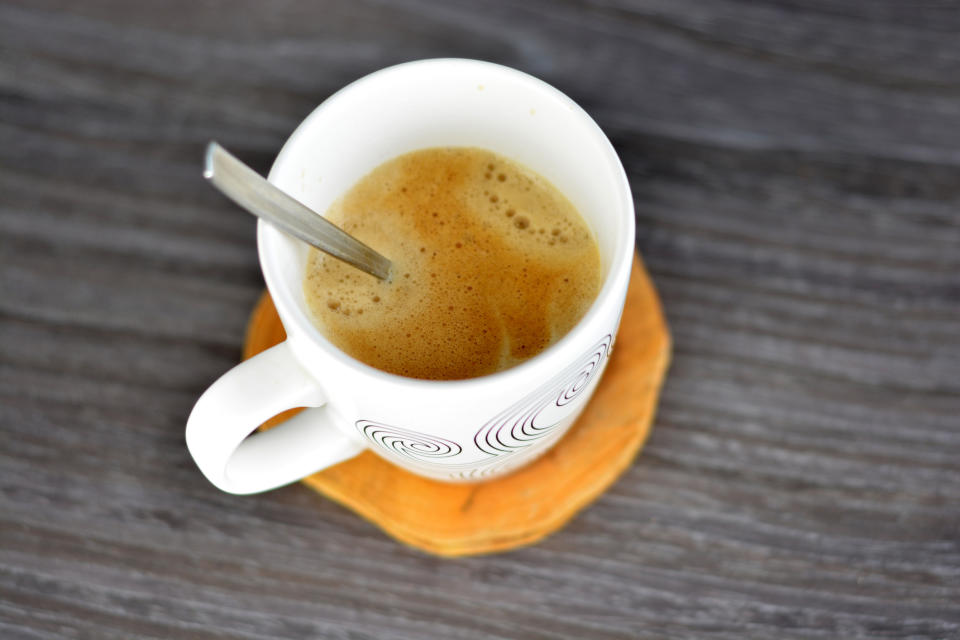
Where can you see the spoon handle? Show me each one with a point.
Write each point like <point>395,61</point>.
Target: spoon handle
<point>248,189</point>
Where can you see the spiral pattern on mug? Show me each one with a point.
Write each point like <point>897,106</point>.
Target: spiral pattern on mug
<point>476,474</point>
<point>525,422</point>
<point>407,443</point>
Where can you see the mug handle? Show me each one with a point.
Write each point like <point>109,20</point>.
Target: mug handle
<point>244,397</point>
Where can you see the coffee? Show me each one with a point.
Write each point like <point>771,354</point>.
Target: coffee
<point>491,265</point>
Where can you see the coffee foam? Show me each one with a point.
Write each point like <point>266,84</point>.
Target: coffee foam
<point>491,265</point>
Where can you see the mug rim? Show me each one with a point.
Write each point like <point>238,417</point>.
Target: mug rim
<point>620,262</point>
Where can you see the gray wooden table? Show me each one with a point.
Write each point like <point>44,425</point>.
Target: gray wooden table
<point>796,171</point>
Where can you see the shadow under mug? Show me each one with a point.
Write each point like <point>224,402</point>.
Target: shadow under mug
<point>458,431</point>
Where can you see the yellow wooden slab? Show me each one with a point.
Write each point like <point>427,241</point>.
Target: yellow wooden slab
<point>523,507</point>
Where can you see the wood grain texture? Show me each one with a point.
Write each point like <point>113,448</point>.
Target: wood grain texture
<point>796,174</point>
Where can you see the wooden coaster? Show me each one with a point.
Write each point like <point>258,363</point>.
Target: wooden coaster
<point>534,501</point>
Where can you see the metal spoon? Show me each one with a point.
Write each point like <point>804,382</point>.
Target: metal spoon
<point>248,189</point>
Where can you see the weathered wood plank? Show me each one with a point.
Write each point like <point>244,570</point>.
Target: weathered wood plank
<point>796,174</point>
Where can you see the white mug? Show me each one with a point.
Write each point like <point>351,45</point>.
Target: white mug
<point>459,431</point>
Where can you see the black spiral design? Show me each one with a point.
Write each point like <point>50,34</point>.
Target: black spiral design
<point>410,444</point>
<point>480,470</point>
<point>473,475</point>
<point>534,417</point>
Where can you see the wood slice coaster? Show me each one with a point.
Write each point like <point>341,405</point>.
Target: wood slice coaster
<point>534,501</point>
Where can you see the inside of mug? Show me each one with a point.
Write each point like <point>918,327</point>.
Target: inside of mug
<point>445,102</point>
